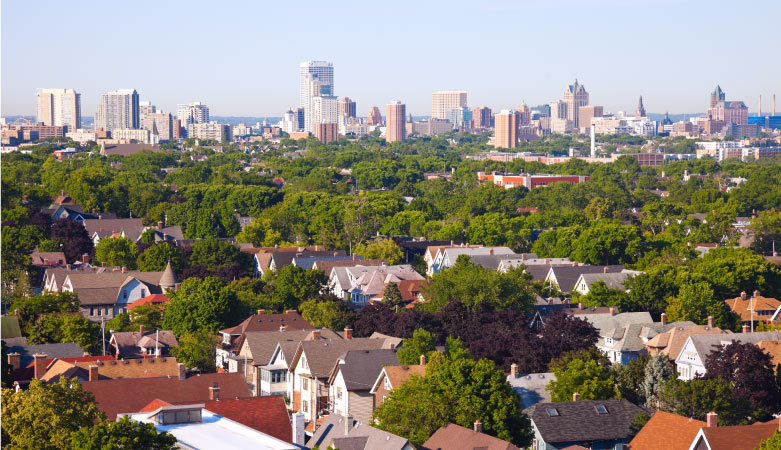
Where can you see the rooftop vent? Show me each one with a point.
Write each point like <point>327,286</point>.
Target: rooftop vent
<point>552,412</point>
<point>601,409</point>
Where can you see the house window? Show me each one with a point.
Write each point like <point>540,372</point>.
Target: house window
<point>387,384</point>
<point>338,393</point>
<point>124,295</point>
<point>305,406</point>
<point>143,293</point>
<point>278,376</point>
<point>92,311</point>
<point>304,384</point>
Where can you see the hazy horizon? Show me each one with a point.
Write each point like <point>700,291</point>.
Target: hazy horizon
<point>503,54</point>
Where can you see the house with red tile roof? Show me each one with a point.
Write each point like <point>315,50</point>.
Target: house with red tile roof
<point>742,437</point>
<point>154,299</point>
<point>665,431</point>
<point>456,437</point>
<point>391,377</point>
<point>753,309</point>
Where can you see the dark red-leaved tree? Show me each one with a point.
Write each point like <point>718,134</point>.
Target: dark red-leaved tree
<point>749,371</point>
<point>73,237</point>
<point>42,220</point>
<point>565,333</point>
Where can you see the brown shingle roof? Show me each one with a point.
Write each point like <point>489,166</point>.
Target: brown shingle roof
<point>321,355</point>
<point>128,343</point>
<point>671,342</point>
<point>109,370</point>
<point>772,348</point>
<point>129,395</point>
<point>455,437</point>
<point>745,437</point>
<point>743,306</point>
<point>666,431</point>
<point>263,343</point>
<point>104,227</point>
<point>398,375</point>
<point>47,258</point>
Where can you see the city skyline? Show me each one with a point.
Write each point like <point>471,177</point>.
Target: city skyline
<point>619,69</point>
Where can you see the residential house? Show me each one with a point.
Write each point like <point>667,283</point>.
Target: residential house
<point>75,213</point>
<point>43,259</point>
<point>39,363</point>
<point>54,276</point>
<point>741,437</point>
<point>611,280</point>
<point>754,309</point>
<point>371,283</point>
<point>508,263</point>
<point>456,437</point>
<point>310,369</point>
<point>604,424</point>
<point>109,369</point>
<point>690,362</point>
<point>141,344</point>
<point>412,247</point>
<point>264,354</point>
<point>433,254</point>
<point>98,229</point>
<point>530,387</point>
<point>447,256</point>
<point>132,394</point>
<point>665,431</point>
<point>221,424</point>
<point>172,234</point>
<point>565,277</point>
<point>392,377</point>
<point>152,299</point>
<point>309,262</point>
<point>350,434</point>
<point>233,337</point>
<point>279,258</point>
<point>327,266</point>
<point>623,342</point>
<point>671,341</point>
<point>105,294</point>
<point>352,379</point>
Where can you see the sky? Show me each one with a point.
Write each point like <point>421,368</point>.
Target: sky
<point>241,57</point>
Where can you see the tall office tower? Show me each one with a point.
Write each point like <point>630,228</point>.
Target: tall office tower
<point>118,110</point>
<point>506,129</point>
<point>443,101</point>
<point>162,122</point>
<point>640,111</point>
<point>315,78</point>
<point>396,114</point>
<point>59,107</point>
<point>323,109</point>
<point>145,108</point>
<point>195,112</point>
<point>716,96</point>
<point>346,107</point>
<point>460,117</point>
<point>481,117</point>
<point>575,96</point>
<point>327,132</point>
<point>586,113</point>
<point>290,121</point>
<point>176,129</point>
<point>559,109</point>
<point>375,118</point>
<point>525,114</point>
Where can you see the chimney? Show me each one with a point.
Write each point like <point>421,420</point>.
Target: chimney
<point>612,310</point>
<point>182,372</point>
<point>124,269</point>
<point>159,225</point>
<point>514,370</point>
<point>710,321</point>
<point>422,360</point>
<point>756,294</point>
<point>348,423</point>
<point>478,426</point>
<point>103,264</point>
<point>523,256</point>
<point>298,429</point>
<point>336,253</point>
<point>743,295</point>
<point>141,329</point>
<point>353,256</point>
<point>746,329</point>
<point>261,312</point>
<point>712,420</point>
<point>67,267</point>
<point>491,251</point>
<point>575,397</point>
<point>315,334</point>
<point>348,333</point>
<point>282,328</point>
<point>85,258</point>
<point>93,373</point>
<point>214,392</point>
<point>580,305</point>
<point>291,311</point>
<point>605,269</point>
<point>40,365</point>
<point>664,319</point>
<point>14,360</point>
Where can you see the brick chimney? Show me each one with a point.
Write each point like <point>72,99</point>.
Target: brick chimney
<point>124,269</point>
<point>746,329</point>
<point>291,311</point>
<point>282,328</point>
<point>712,420</point>
<point>478,426</point>
<point>14,360</point>
<point>524,256</point>
<point>710,321</point>
<point>103,264</point>
<point>613,310</point>
<point>491,251</point>
<point>348,424</point>
<point>743,295</point>
<point>261,312</point>
<point>514,370</point>
<point>422,360</point>
<point>214,392</point>
<point>348,333</point>
<point>182,371</point>
<point>605,269</point>
<point>141,329</point>
<point>93,373</point>
<point>756,294</point>
<point>575,397</point>
<point>85,258</point>
<point>580,305</point>
<point>315,335</point>
<point>40,365</point>
<point>159,225</point>
<point>664,319</point>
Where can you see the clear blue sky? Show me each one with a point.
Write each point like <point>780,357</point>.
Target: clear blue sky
<point>241,58</point>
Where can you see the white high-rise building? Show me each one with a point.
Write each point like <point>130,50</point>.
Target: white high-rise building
<point>118,110</point>
<point>195,112</point>
<point>59,107</point>
<point>144,109</point>
<point>325,109</point>
<point>316,78</point>
<point>289,123</point>
<point>444,101</point>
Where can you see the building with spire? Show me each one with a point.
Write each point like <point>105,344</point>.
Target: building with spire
<point>729,112</point>
<point>375,117</point>
<point>168,280</point>
<point>574,97</point>
<point>716,96</point>
<point>640,111</point>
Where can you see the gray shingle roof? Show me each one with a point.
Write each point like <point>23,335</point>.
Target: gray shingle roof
<point>579,421</point>
<point>531,387</point>
<point>263,343</point>
<point>334,429</point>
<point>606,321</point>
<point>65,350</point>
<point>566,276</point>
<point>322,355</point>
<point>704,343</point>
<point>361,367</point>
<point>611,280</point>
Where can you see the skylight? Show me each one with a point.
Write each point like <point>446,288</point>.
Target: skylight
<point>601,409</point>
<point>553,412</point>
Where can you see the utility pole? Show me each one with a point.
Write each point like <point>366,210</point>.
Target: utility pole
<point>103,334</point>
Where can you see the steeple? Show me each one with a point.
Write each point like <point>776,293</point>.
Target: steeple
<point>716,96</point>
<point>168,280</point>
<point>640,111</point>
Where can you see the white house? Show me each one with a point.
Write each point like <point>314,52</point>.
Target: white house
<point>690,362</point>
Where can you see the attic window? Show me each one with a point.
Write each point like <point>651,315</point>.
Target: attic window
<point>552,412</point>
<point>601,409</point>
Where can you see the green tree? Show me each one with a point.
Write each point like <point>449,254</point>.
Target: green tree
<point>260,234</point>
<point>601,295</point>
<point>608,242</point>
<point>695,302</point>
<point>658,371</point>
<point>381,249</point>
<point>29,309</point>
<point>629,378</point>
<point>7,369</point>
<point>771,443</point>
<point>414,410</point>
<point>148,315</point>
<point>325,312</point>
<point>197,349</point>
<point>599,208</point>
<point>422,343</point>
<point>392,295</point>
<point>156,257</point>
<point>287,287</point>
<point>213,252</point>
<point>120,323</point>
<point>44,416</point>
<point>59,328</point>
<point>124,433</point>
<point>116,252</point>
<point>201,305</point>
<point>698,397</point>
<point>586,377</point>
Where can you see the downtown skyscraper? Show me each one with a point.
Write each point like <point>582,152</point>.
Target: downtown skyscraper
<point>316,79</point>
<point>59,107</point>
<point>118,110</point>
